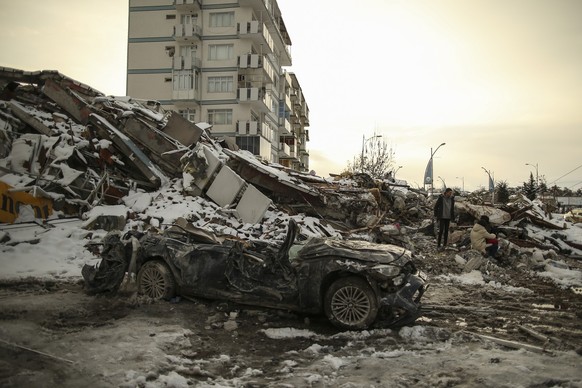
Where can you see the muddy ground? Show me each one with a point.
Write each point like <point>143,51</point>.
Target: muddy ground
<point>54,335</point>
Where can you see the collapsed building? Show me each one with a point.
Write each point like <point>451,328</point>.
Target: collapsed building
<point>66,148</point>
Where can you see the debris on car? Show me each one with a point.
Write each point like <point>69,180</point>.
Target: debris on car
<point>355,284</point>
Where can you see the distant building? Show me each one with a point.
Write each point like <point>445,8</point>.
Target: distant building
<point>222,62</point>
<point>568,203</point>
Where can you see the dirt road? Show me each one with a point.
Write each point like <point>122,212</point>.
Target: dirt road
<point>52,334</point>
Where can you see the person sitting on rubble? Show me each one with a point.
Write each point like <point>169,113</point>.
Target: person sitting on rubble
<point>482,239</point>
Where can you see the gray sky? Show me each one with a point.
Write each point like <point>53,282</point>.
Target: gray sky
<point>499,81</point>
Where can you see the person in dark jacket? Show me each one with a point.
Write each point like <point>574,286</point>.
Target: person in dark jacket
<point>444,211</point>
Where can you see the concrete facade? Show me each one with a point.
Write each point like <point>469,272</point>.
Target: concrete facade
<point>222,62</point>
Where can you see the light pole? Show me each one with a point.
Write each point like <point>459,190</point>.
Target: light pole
<point>491,185</point>
<point>428,173</point>
<point>462,178</point>
<point>364,141</point>
<point>444,184</point>
<point>537,176</point>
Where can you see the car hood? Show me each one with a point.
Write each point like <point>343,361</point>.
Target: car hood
<point>357,250</point>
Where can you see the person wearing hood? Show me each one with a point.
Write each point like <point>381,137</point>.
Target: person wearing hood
<point>482,239</point>
<point>444,211</point>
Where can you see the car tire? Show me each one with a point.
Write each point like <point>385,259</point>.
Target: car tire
<point>350,303</point>
<point>155,280</point>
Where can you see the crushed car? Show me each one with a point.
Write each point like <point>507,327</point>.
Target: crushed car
<point>355,284</point>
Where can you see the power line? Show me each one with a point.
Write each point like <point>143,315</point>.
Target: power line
<point>566,174</point>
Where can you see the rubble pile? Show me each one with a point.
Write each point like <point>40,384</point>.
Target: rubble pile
<point>67,149</point>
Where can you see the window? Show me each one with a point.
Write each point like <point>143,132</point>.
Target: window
<point>222,19</point>
<point>188,114</point>
<point>220,52</point>
<point>220,84</point>
<point>186,19</point>
<point>249,143</point>
<point>219,116</point>
<point>183,80</point>
<point>170,17</point>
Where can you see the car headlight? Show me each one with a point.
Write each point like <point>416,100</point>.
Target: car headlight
<point>398,280</point>
<point>387,270</point>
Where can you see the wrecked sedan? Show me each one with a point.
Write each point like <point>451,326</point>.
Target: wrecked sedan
<point>356,284</point>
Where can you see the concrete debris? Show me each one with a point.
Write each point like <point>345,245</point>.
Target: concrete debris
<point>67,148</point>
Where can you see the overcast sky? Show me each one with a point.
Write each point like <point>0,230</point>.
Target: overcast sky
<point>498,81</point>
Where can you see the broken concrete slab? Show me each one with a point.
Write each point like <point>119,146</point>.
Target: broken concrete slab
<point>22,113</point>
<point>496,216</point>
<point>252,206</point>
<point>133,153</point>
<point>225,187</point>
<point>71,102</point>
<point>184,131</point>
<point>165,151</point>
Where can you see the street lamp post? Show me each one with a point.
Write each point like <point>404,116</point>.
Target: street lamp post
<point>537,176</point>
<point>444,184</point>
<point>364,141</point>
<point>491,185</point>
<point>428,174</point>
<point>462,178</point>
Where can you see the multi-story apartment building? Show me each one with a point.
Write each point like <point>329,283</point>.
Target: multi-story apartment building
<point>222,62</point>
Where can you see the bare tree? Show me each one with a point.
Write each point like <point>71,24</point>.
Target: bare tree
<point>376,159</point>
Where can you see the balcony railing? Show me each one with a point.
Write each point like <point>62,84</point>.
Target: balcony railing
<point>186,94</point>
<point>285,125</point>
<point>186,62</point>
<point>284,150</point>
<point>252,61</point>
<point>256,31</point>
<point>187,32</point>
<point>247,127</point>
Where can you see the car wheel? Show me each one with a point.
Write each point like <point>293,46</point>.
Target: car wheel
<point>156,280</point>
<point>350,303</point>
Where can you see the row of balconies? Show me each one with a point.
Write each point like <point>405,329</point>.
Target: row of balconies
<point>253,30</point>
<point>266,9</point>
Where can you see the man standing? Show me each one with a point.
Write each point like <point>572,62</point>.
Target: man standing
<point>444,211</point>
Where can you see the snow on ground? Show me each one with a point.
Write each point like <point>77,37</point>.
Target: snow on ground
<point>427,356</point>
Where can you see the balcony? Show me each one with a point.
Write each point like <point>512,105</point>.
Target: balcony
<point>187,5</point>
<point>247,127</point>
<point>284,150</point>
<point>254,128</point>
<point>284,126</point>
<point>186,63</point>
<point>250,61</point>
<point>288,105</point>
<point>250,94</point>
<point>257,61</point>
<point>258,33</point>
<point>254,96</point>
<point>187,32</point>
<point>186,94</point>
